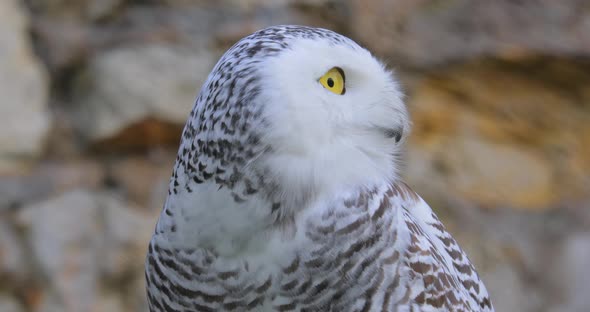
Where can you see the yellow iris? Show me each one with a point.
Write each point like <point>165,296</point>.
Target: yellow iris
<point>333,80</point>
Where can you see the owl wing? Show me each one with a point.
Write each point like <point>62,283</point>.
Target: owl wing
<point>443,277</point>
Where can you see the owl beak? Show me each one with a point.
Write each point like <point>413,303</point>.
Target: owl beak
<point>393,133</point>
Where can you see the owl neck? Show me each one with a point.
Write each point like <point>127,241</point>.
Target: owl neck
<point>246,235</point>
<point>209,217</point>
<point>232,209</point>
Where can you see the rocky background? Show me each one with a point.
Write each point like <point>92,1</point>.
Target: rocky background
<point>94,93</point>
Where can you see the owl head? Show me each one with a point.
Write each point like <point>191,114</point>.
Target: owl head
<point>291,112</point>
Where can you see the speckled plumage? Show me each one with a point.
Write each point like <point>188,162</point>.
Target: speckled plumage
<point>284,197</point>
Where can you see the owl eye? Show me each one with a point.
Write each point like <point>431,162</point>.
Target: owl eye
<point>333,80</point>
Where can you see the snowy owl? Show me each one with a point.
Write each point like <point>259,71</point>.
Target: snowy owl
<point>284,195</point>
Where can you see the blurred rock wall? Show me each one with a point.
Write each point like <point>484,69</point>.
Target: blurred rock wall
<point>94,94</point>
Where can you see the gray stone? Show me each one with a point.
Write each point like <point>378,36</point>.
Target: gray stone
<point>15,191</point>
<point>50,302</point>
<point>63,233</point>
<point>9,304</point>
<point>48,179</point>
<point>126,233</point>
<point>111,302</point>
<point>431,32</point>
<point>80,9</point>
<point>129,84</point>
<point>12,255</point>
<point>571,275</point>
<point>81,238</point>
<point>24,118</point>
<point>508,291</point>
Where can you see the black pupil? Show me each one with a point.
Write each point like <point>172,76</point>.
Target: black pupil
<point>330,83</point>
